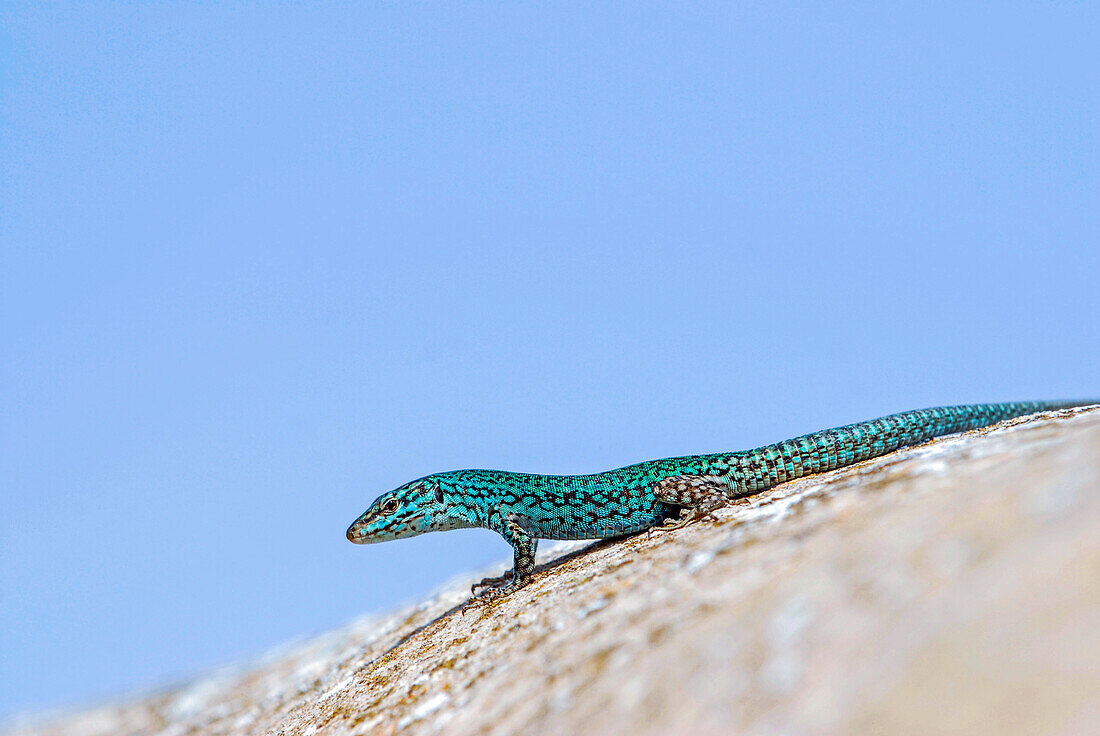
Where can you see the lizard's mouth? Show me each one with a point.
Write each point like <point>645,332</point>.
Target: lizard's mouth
<point>363,532</point>
<point>370,530</point>
<point>355,534</point>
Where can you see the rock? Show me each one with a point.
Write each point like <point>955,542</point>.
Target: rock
<point>948,588</point>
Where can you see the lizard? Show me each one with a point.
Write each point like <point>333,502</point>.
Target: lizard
<point>666,493</point>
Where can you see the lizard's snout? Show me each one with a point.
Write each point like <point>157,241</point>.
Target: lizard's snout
<point>353,532</point>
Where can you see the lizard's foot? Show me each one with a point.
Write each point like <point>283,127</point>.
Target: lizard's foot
<point>687,516</point>
<point>495,582</point>
<point>677,522</point>
<point>490,593</point>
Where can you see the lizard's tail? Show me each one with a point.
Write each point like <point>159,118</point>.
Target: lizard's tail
<point>829,449</point>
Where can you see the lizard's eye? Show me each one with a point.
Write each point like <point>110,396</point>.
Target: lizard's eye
<point>389,505</point>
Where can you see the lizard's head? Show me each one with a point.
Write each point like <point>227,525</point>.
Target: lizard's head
<point>414,508</point>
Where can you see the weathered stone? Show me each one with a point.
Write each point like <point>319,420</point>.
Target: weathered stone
<point>949,588</point>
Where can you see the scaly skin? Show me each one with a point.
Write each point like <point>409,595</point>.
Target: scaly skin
<point>524,508</point>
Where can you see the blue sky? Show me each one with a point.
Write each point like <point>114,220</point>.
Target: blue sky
<point>259,264</point>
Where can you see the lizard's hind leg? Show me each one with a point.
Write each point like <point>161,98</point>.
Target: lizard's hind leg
<point>698,495</point>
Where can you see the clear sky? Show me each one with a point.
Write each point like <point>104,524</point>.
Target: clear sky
<point>260,264</point>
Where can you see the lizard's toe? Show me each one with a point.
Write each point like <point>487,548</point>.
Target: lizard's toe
<point>489,583</point>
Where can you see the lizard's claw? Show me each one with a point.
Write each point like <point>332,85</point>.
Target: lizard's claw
<point>486,595</point>
<point>688,516</point>
<point>490,583</point>
<point>490,592</point>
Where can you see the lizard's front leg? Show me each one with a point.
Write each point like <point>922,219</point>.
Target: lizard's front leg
<point>510,526</point>
<point>699,495</point>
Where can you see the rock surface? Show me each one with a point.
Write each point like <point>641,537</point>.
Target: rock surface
<point>949,588</point>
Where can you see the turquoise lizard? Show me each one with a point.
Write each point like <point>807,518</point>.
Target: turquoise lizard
<point>524,508</point>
